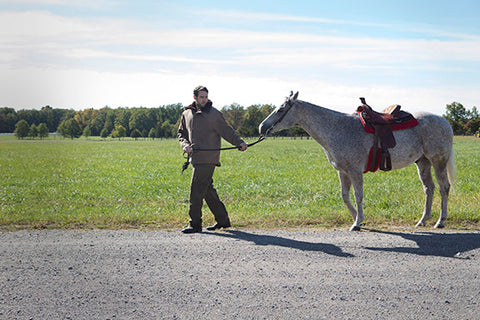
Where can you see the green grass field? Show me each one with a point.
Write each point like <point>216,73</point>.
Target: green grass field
<point>279,183</point>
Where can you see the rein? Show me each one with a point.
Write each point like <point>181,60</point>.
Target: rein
<point>186,163</point>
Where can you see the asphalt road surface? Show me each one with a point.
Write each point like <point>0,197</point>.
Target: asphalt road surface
<point>239,274</point>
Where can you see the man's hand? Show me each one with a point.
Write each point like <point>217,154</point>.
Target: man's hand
<point>187,149</point>
<point>243,146</point>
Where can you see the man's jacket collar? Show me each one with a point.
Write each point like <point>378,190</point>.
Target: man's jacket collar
<point>194,107</point>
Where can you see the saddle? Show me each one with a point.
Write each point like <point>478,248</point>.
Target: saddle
<point>382,124</point>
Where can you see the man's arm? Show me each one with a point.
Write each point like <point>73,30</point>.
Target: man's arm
<point>182,134</point>
<point>229,134</point>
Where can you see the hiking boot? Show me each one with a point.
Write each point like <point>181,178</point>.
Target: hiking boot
<point>192,230</point>
<point>217,226</point>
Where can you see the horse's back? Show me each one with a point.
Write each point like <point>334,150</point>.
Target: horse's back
<point>434,125</point>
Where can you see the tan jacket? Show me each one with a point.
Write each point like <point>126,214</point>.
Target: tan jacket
<point>203,129</point>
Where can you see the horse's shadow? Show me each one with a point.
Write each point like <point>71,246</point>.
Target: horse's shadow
<point>266,240</point>
<point>450,245</point>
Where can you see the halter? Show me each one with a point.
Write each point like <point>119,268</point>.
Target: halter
<point>288,103</point>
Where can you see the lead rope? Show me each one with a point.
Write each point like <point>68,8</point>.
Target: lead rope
<point>187,155</point>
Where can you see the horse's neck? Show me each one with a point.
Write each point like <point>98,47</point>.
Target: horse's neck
<point>322,124</point>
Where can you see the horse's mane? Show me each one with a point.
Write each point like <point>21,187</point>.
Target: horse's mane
<point>322,108</point>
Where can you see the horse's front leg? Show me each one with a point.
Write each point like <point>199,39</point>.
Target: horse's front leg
<point>357,214</point>
<point>357,182</point>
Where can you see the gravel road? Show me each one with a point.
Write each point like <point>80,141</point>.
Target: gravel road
<point>239,274</point>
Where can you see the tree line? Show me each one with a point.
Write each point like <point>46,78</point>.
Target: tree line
<point>462,120</point>
<point>162,122</point>
<point>121,122</point>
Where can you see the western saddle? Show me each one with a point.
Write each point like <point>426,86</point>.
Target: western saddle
<point>382,124</point>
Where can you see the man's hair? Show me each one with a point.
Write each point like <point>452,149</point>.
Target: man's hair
<point>197,90</point>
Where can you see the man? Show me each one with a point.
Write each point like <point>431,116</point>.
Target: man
<point>202,127</point>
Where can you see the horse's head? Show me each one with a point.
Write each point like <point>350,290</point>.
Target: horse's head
<point>280,118</point>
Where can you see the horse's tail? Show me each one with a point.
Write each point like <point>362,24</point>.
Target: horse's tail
<point>451,170</point>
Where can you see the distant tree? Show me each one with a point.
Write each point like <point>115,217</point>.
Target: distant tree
<point>474,113</point>
<point>31,116</point>
<point>253,117</point>
<point>97,123</point>
<point>171,113</point>
<point>70,129</point>
<point>8,119</point>
<point>152,134</point>
<point>22,129</point>
<point>472,126</point>
<point>135,134</point>
<point>140,120</point>
<point>52,117</point>
<point>87,131</point>
<point>33,132</point>
<point>234,115</point>
<point>43,130</point>
<point>122,117</point>
<point>473,123</point>
<point>104,133</point>
<point>67,115</point>
<point>119,132</point>
<point>168,130</point>
<point>61,128</point>
<point>109,127</point>
<point>457,116</point>
<point>158,132</point>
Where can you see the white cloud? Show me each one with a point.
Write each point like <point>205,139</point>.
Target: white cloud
<point>82,89</point>
<point>47,59</point>
<point>252,17</point>
<point>235,15</point>
<point>45,26</point>
<point>67,3</point>
<point>55,35</point>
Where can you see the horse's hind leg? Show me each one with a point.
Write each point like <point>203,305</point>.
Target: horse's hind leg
<point>425,173</point>
<point>444,188</point>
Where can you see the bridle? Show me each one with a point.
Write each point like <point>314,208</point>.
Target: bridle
<point>287,105</point>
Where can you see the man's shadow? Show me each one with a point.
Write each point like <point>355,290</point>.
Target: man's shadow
<point>450,245</point>
<point>266,240</point>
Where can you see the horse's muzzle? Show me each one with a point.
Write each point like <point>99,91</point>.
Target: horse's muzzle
<point>263,128</point>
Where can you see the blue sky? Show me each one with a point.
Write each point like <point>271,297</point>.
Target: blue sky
<point>92,53</point>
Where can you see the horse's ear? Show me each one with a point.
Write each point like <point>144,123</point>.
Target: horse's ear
<point>295,96</point>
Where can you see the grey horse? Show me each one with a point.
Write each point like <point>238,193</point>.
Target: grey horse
<point>347,146</point>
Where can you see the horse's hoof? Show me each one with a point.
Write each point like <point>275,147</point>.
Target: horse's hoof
<point>355,228</point>
<point>439,226</point>
<point>420,224</point>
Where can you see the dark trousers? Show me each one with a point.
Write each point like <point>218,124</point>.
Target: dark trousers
<point>202,188</point>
